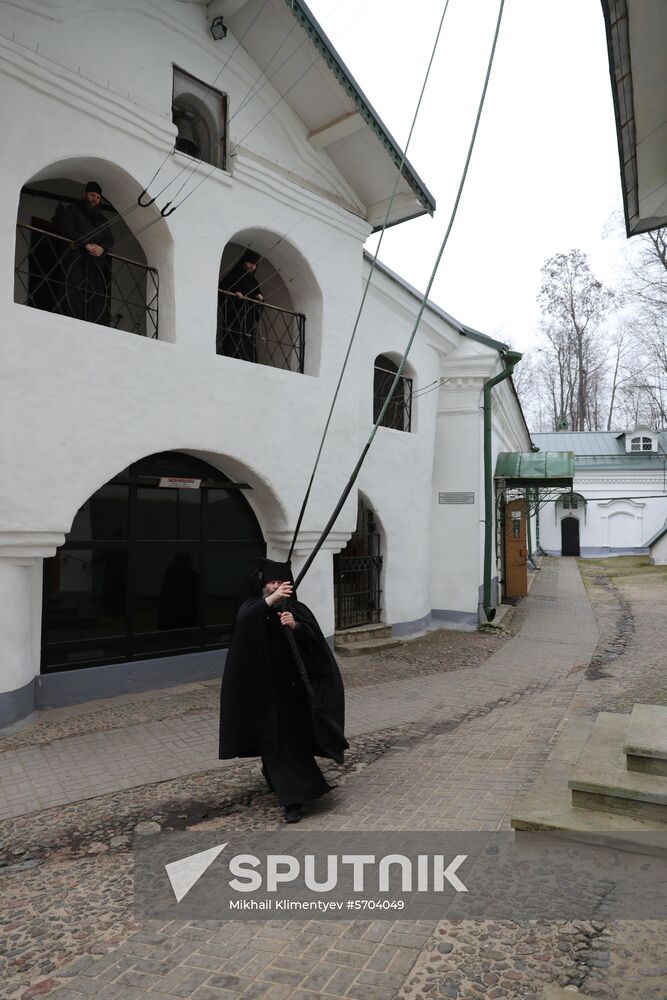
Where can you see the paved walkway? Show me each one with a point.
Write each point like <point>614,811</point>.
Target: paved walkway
<point>480,737</point>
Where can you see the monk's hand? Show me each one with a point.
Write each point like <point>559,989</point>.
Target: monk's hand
<point>287,619</point>
<point>280,593</point>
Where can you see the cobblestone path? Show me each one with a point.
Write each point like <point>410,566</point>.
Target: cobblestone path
<point>435,747</point>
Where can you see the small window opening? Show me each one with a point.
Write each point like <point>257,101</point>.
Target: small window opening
<point>199,112</point>
<point>398,415</point>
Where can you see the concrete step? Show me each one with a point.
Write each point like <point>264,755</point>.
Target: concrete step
<point>563,993</point>
<point>363,648</point>
<point>547,805</point>
<point>364,633</point>
<point>645,744</point>
<point>600,780</point>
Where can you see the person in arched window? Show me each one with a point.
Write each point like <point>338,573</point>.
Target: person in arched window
<point>282,696</point>
<point>240,309</point>
<point>86,264</point>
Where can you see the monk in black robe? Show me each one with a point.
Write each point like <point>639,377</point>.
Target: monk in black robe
<point>86,265</point>
<point>282,696</point>
<point>240,309</point>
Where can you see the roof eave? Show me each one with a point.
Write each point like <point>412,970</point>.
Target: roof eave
<point>618,50</point>
<point>333,60</point>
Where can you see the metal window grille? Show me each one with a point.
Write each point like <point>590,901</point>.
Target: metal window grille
<point>110,290</point>
<point>357,575</point>
<point>398,415</point>
<point>255,331</point>
<point>200,115</point>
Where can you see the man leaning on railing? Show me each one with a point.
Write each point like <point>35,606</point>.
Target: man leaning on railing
<point>241,310</point>
<point>86,266</point>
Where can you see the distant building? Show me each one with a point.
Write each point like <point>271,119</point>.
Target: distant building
<point>619,495</point>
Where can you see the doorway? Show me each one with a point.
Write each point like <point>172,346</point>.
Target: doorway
<point>569,531</point>
<point>516,569</point>
<point>357,569</point>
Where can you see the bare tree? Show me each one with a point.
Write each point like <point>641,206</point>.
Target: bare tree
<point>574,303</point>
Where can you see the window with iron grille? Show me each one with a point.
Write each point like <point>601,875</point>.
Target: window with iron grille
<point>199,112</point>
<point>398,415</point>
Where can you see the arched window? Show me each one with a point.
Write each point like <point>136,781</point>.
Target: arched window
<point>199,112</point>
<point>647,444</point>
<point>571,501</point>
<point>398,415</point>
<point>152,566</point>
<point>636,444</point>
<point>256,318</point>
<point>55,268</point>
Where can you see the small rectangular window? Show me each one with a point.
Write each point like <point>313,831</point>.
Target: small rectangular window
<point>199,112</point>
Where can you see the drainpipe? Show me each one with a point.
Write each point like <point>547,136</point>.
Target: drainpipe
<point>510,358</point>
<point>528,531</point>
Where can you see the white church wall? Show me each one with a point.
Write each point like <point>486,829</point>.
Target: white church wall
<point>619,515</point>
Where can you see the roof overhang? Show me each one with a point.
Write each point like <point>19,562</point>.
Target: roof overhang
<point>317,85</point>
<point>528,469</point>
<point>636,36</point>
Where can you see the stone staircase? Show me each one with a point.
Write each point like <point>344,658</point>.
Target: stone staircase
<point>365,639</point>
<point>605,780</point>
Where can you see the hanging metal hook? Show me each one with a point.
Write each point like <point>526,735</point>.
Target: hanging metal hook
<point>144,204</point>
<point>164,213</point>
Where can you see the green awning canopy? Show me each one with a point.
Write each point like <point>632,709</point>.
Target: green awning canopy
<point>519,469</point>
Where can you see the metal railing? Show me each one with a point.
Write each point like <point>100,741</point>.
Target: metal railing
<point>255,331</point>
<point>55,275</point>
<point>399,412</point>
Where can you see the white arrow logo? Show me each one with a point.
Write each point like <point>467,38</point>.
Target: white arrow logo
<point>185,873</point>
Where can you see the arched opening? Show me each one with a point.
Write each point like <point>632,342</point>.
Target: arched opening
<point>269,304</point>
<point>57,225</point>
<point>398,415</point>
<point>569,530</point>
<point>358,573</point>
<point>151,567</point>
<point>199,112</point>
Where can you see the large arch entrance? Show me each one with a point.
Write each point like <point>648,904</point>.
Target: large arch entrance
<point>357,573</point>
<point>152,566</point>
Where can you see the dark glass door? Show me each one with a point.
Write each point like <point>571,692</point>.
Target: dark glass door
<point>149,568</point>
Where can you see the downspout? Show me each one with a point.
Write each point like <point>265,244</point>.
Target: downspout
<point>510,358</point>
<point>528,531</point>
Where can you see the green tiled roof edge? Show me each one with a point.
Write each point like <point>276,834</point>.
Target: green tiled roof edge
<point>345,79</point>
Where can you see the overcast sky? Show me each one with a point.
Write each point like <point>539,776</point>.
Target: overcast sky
<point>544,176</point>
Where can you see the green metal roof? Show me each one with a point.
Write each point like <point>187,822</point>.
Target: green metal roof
<point>535,468</point>
<point>603,449</point>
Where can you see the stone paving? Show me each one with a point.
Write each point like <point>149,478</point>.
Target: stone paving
<point>474,738</point>
<point>84,766</point>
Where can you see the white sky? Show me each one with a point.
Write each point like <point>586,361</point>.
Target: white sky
<point>545,173</point>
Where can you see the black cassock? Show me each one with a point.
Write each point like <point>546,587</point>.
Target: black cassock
<point>86,278</point>
<point>237,329</point>
<point>269,710</point>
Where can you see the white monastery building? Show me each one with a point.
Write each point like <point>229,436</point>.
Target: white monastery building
<point>618,499</point>
<point>158,430</point>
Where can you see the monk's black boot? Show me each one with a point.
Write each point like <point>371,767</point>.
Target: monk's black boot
<point>292,813</point>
